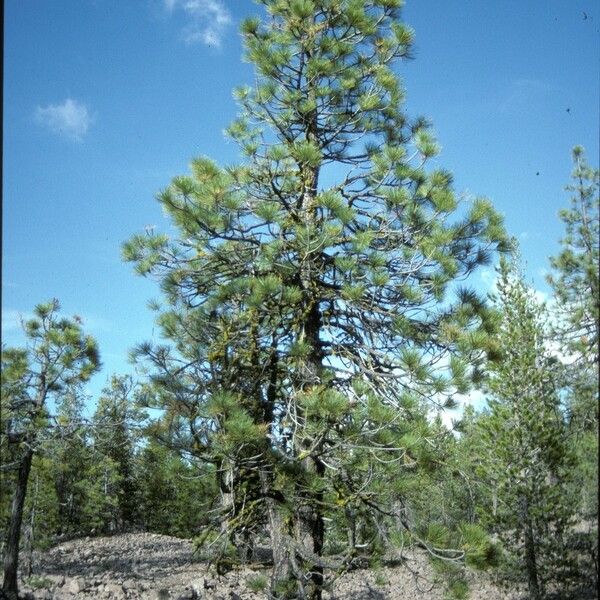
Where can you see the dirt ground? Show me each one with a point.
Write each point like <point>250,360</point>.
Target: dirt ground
<point>157,567</point>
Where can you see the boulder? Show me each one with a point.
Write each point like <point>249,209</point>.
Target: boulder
<point>75,585</point>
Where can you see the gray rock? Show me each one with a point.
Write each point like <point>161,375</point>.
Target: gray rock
<point>63,595</point>
<point>76,585</point>
<point>129,584</point>
<point>57,580</point>
<point>209,584</point>
<point>114,590</point>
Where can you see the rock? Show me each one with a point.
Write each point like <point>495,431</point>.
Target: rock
<point>209,584</point>
<point>188,594</point>
<point>129,584</point>
<point>161,594</point>
<point>63,595</point>
<point>76,585</point>
<point>114,590</point>
<point>234,596</point>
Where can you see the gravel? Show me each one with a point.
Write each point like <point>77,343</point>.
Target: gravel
<point>142,566</point>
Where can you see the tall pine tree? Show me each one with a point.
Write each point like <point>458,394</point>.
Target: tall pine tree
<point>526,456</point>
<point>57,355</point>
<point>319,272</point>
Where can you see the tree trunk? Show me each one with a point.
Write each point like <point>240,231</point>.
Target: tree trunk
<point>310,533</point>
<point>351,524</point>
<point>13,536</point>
<point>30,531</point>
<point>280,543</point>
<point>530,555</point>
<point>227,497</point>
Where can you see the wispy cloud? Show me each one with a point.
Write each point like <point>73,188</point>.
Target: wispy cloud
<point>208,20</point>
<point>71,119</point>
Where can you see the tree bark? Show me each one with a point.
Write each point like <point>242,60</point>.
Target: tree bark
<point>280,543</point>
<point>13,536</point>
<point>530,555</point>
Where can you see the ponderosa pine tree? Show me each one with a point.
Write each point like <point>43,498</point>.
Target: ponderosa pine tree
<point>576,278</point>
<point>576,283</point>
<point>57,356</point>
<point>527,457</point>
<point>318,274</point>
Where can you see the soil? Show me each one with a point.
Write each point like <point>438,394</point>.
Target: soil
<point>157,567</point>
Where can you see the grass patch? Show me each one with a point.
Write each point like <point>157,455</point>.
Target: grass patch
<point>37,582</point>
<point>258,583</point>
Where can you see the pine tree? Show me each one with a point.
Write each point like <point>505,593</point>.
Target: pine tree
<point>175,498</point>
<point>528,459</point>
<point>68,457</point>
<point>575,281</point>
<point>117,428</point>
<point>57,356</point>
<point>319,272</point>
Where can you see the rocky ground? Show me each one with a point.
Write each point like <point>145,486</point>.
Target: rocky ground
<point>157,567</point>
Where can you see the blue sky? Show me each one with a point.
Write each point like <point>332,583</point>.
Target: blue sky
<point>105,101</point>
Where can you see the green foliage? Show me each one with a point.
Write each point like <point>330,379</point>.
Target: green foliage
<point>174,495</point>
<point>527,458</point>
<point>575,282</point>
<point>117,428</point>
<point>480,551</point>
<point>37,582</point>
<point>285,288</point>
<point>576,274</point>
<point>257,583</point>
<point>458,589</point>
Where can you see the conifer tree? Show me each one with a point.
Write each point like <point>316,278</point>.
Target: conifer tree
<point>117,427</point>
<point>174,496</point>
<point>57,356</point>
<point>576,277</point>
<point>527,457</point>
<point>576,284</point>
<point>320,271</point>
<point>68,457</point>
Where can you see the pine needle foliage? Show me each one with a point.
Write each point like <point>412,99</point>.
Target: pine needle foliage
<point>527,456</point>
<point>57,356</point>
<point>321,265</point>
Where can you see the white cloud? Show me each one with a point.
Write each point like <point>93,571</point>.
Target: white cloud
<point>71,119</point>
<point>208,20</point>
